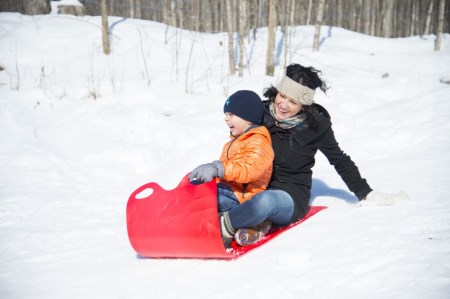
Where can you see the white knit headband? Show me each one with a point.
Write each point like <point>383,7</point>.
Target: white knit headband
<point>296,91</point>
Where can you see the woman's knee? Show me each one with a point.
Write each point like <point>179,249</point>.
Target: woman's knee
<point>271,200</point>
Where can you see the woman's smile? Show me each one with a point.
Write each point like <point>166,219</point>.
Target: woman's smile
<point>285,107</point>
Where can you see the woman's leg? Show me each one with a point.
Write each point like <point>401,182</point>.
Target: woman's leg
<point>275,205</point>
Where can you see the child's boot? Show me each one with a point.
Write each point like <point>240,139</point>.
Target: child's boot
<point>252,235</point>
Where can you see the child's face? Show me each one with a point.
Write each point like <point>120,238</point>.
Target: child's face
<point>236,124</point>
<point>285,107</point>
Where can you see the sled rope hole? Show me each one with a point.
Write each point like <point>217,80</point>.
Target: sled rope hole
<point>144,194</point>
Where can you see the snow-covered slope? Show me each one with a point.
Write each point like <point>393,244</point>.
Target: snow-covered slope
<point>79,131</point>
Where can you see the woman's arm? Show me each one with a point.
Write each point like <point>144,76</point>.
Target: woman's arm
<point>343,164</point>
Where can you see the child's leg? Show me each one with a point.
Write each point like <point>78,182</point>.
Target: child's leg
<point>226,198</point>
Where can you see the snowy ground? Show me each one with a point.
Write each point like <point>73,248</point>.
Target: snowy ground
<point>79,131</point>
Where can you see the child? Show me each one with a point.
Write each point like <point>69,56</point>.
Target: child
<point>245,165</point>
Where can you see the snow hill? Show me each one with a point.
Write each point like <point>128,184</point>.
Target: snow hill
<point>79,131</point>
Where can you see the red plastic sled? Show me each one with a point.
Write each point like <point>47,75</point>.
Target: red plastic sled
<point>182,223</point>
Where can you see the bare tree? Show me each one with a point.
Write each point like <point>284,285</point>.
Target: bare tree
<point>137,9</point>
<point>428,19</point>
<point>270,66</point>
<point>144,59</point>
<point>288,31</point>
<point>316,43</point>
<point>105,31</point>
<point>242,33</point>
<point>357,15</point>
<point>195,15</point>
<point>131,8</point>
<point>111,9</point>
<point>165,12</point>
<point>173,14</point>
<point>260,9</point>
<point>377,8</point>
<point>387,18</point>
<point>195,36</point>
<point>230,37</point>
<point>437,44</point>
<point>181,15</point>
<point>366,22</point>
<point>413,18</point>
<point>206,16</point>
<point>309,12</point>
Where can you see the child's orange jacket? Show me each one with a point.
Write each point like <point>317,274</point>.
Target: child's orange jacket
<point>247,162</point>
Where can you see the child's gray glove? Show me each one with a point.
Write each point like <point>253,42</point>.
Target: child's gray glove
<point>206,172</point>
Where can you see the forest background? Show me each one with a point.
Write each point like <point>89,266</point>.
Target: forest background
<point>386,18</point>
<point>241,19</point>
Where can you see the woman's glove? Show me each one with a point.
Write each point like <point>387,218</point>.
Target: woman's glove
<point>375,198</point>
<point>206,172</point>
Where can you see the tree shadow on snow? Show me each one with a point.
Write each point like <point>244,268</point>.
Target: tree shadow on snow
<point>322,40</point>
<point>320,188</point>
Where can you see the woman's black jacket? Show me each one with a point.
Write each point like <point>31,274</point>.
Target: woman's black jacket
<point>295,149</point>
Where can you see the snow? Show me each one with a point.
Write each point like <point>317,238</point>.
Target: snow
<point>80,131</point>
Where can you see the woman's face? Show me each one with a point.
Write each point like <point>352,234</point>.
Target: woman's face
<point>286,107</point>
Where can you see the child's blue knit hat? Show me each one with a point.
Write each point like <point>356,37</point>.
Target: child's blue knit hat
<point>247,105</point>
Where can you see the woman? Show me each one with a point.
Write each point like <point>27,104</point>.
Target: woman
<point>298,128</point>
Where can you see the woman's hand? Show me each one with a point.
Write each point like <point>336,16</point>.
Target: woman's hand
<point>375,198</point>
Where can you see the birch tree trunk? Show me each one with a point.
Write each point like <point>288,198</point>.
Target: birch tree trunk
<point>165,14</point>
<point>387,19</point>
<point>367,23</point>
<point>270,67</point>
<point>339,13</point>
<point>195,15</point>
<point>137,10</point>
<point>357,12</point>
<point>230,37</point>
<point>428,20</point>
<point>413,18</point>
<point>131,7</point>
<point>373,19</point>
<point>289,31</point>
<point>440,26</point>
<point>308,21</point>
<point>378,8</point>
<point>111,9</point>
<point>259,11</point>
<point>316,43</point>
<point>105,26</point>
<point>173,17</point>
<point>242,33</point>
<point>181,15</point>
<point>206,16</point>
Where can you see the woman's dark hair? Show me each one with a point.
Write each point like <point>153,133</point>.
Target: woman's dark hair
<point>307,76</point>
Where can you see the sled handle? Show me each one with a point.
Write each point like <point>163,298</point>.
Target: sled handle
<point>184,182</point>
<point>154,186</point>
